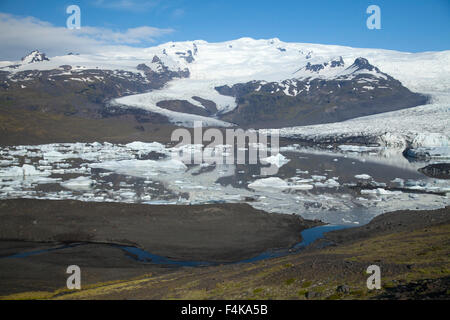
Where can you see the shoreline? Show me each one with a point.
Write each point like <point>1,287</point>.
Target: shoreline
<point>179,232</point>
<point>219,233</point>
<point>105,263</point>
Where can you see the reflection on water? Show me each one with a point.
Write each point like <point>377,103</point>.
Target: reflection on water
<point>315,184</point>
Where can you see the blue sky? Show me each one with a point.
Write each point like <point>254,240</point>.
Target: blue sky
<point>406,25</point>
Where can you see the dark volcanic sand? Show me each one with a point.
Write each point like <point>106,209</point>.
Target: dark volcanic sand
<point>100,262</point>
<point>216,233</point>
<point>47,271</point>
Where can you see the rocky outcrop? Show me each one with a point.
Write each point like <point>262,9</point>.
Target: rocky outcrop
<point>359,90</point>
<point>35,56</point>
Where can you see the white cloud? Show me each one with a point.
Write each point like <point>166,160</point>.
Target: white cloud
<point>20,35</point>
<point>131,36</point>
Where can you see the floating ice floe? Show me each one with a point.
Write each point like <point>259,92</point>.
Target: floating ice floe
<point>269,183</point>
<point>278,160</point>
<point>399,181</point>
<point>363,176</point>
<point>25,170</point>
<point>380,192</point>
<point>277,184</point>
<point>45,180</point>
<point>354,148</point>
<point>80,183</point>
<point>300,180</point>
<point>7,162</point>
<point>301,187</point>
<point>141,168</point>
<point>56,155</point>
<point>172,182</point>
<point>148,147</point>
<point>429,153</point>
<point>330,183</point>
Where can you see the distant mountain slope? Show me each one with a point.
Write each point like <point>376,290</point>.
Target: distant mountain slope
<point>358,90</point>
<point>251,83</point>
<point>294,80</point>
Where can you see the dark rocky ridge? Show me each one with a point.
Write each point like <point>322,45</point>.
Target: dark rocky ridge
<point>36,56</point>
<point>317,67</point>
<point>86,94</point>
<point>297,102</point>
<point>35,104</point>
<point>437,170</point>
<point>163,75</point>
<point>183,106</point>
<point>80,93</point>
<point>83,92</point>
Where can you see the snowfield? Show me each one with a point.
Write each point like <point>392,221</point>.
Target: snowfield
<point>246,59</point>
<point>181,89</point>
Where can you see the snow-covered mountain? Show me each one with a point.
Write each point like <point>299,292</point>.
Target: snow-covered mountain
<point>34,56</point>
<point>247,59</point>
<point>190,79</point>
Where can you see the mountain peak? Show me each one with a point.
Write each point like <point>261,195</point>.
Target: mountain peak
<point>35,56</point>
<point>156,59</point>
<point>363,64</point>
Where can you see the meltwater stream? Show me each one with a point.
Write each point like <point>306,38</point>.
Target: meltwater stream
<point>308,237</point>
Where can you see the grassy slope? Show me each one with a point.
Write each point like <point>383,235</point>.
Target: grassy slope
<point>59,111</point>
<point>404,258</point>
<point>35,127</point>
